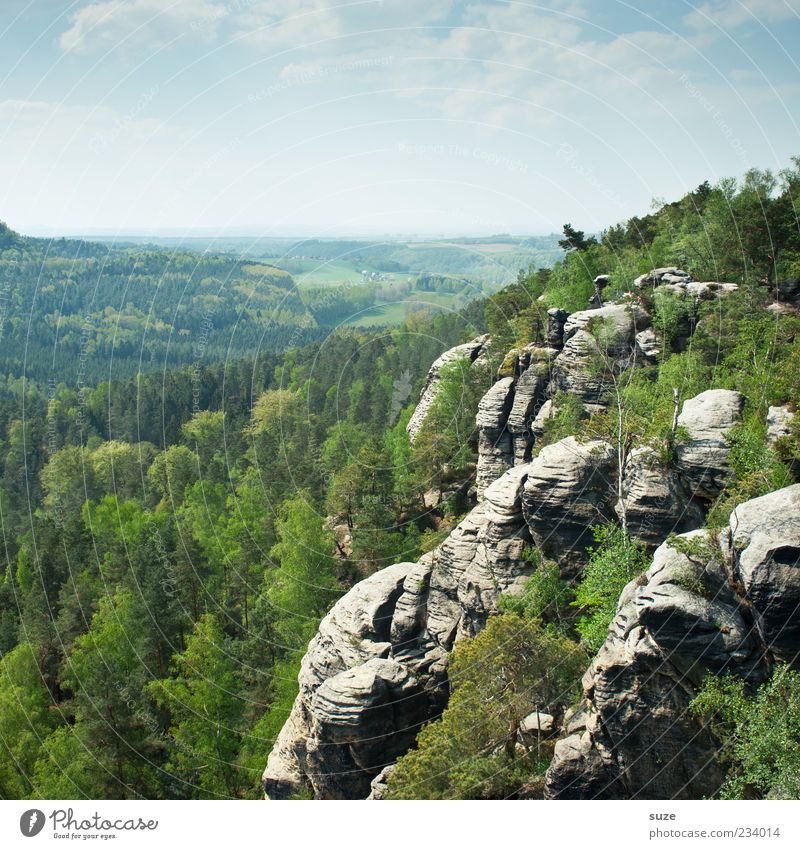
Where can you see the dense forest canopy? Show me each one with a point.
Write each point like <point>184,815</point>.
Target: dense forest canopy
<point>171,539</point>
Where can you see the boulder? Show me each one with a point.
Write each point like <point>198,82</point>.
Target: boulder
<point>765,534</point>
<point>569,487</point>
<point>380,784</point>
<point>377,668</point>
<point>656,501</point>
<point>648,345</point>
<point>536,724</point>
<point>597,343</point>
<point>575,369</point>
<point>471,351</point>
<point>636,737</point>
<point>555,327</point>
<point>703,459</point>
<point>657,276</point>
<point>623,321</point>
<point>495,442</point>
<point>779,420</point>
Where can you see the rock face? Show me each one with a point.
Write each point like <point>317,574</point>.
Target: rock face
<point>569,488</point>
<point>703,460</point>
<point>555,327</point>
<point>376,669</point>
<point>656,500</point>
<point>724,603</point>
<point>765,539</point>
<point>596,341</point>
<point>529,396</point>
<point>471,350</point>
<point>657,276</point>
<point>495,444</point>
<point>779,421</point>
<point>506,412</point>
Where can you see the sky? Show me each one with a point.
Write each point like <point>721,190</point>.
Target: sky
<point>396,117</point>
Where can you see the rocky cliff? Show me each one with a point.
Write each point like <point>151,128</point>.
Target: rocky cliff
<point>377,669</point>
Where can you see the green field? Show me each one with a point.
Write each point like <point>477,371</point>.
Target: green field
<point>396,312</point>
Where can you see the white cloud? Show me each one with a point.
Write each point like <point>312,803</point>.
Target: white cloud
<point>111,23</point>
<point>729,14</point>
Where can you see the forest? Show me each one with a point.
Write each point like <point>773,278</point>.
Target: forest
<point>172,537</point>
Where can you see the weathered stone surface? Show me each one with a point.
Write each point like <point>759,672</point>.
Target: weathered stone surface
<point>569,488</point>
<point>575,369</point>
<point>380,784</point>
<point>648,345</point>
<point>528,398</point>
<point>495,442</point>
<point>638,738</point>
<point>600,283</point>
<point>623,320</point>
<point>471,350</point>
<point>356,630</point>
<point>537,723</point>
<point>377,668</point>
<point>765,534</point>
<point>546,412</point>
<point>703,460</point>
<point>657,276</point>
<point>719,604</point>
<point>596,342</point>
<point>369,715</point>
<point>555,327</point>
<point>779,420</point>
<point>656,501</point>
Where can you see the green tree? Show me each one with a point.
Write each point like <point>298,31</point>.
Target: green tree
<point>759,733</point>
<point>614,562</point>
<point>512,668</point>
<point>25,720</point>
<point>202,699</point>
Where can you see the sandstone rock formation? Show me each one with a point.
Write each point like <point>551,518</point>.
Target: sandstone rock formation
<point>471,350</point>
<point>377,668</point>
<point>779,420</point>
<point>656,501</point>
<point>569,487</point>
<point>506,412</point>
<point>717,603</point>
<point>703,460</point>
<point>595,342</point>
<point>495,446</point>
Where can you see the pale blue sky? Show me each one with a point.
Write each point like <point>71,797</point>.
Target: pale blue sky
<point>383,116</point>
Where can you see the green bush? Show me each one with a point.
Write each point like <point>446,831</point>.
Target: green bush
<point>616,560</point>
<point>759,733</point>
<point>510,669</point>
<point>546,595</point>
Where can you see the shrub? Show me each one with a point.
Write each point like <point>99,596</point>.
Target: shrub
<point>615,562</point>
<point>513,667</point>
<point>759,733</point>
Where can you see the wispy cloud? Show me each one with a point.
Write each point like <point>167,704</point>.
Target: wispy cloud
<point>155,22</point>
